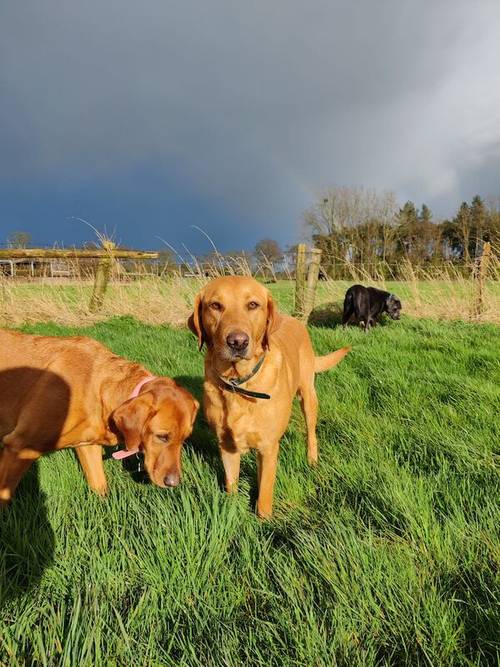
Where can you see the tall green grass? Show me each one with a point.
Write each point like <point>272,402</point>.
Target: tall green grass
<point>387,553</point>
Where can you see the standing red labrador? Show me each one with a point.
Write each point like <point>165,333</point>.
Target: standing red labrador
<point>257,360</point>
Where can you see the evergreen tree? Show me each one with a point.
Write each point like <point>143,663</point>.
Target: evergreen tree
<point>408,215</point>
<point>478,215</point>
<point>463,223</point>
<point>425,214</point>
<point>407,232</point>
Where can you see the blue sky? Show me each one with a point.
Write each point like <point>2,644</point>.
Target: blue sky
<point>148,118</point>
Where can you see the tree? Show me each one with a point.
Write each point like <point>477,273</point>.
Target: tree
<point>167,261</point>
<point>478,216</point>
<point>450,239</point>
<point>428,246</point>
<point>425,214</point>
<point>341,207</point>
<point>268,249</point>
<point>408,215</point>
<point>463,223</point>
<point>352,224</point>
<point>19,239</point>
<point>407,229</point>
<point>267,253</point>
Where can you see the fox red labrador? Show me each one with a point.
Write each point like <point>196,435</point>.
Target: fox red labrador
<point>257,360</point>
<point>74,392</point>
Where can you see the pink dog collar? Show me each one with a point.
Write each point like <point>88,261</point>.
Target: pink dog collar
<point>140,385</point>
<point>125,453</point>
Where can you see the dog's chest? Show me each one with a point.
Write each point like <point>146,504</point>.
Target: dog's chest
<point>243,431</point>
<point>237,422</point>
<point>244,423</point>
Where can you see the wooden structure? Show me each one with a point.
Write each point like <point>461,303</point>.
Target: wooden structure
<point>102,276</point>
<point>481,275</point>
<point>59,259</point>
<point>75,253</point>
<point>306,280</point>
<point>300,281</point>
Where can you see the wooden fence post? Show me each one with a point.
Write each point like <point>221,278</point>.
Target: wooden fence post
<point>312,282</point>
<point>481,277</point>
<point>102,276</point>
<point>300,281</point>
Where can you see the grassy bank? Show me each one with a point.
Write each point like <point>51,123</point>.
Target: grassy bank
<point>387,553</point>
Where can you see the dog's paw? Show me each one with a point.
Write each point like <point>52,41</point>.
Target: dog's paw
<point>312,459</point>
<point>101,490</point>
<point>232,488</point>
<point>5,497</point>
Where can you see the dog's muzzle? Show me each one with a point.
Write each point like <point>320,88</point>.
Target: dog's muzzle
<point>237,342</point>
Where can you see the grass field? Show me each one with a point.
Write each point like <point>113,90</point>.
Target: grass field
<point>387,553</point>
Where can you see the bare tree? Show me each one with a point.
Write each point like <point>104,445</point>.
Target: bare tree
<point>19,239</point>
<point>352,224</point>
<point>268,248</point>
<point>267,253</point>
<point>342,207</point>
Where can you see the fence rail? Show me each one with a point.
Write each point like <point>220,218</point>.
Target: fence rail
<point>43,253</point>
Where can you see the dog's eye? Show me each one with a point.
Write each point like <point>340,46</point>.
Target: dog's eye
<point>252,305</point>
<point>164,437</point>
<point>215,305</point>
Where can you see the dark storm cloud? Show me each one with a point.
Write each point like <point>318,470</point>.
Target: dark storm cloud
<point>248,108</point>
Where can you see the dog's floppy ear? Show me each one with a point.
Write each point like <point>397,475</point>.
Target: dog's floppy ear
<point>392,298</point>
<point>196,407</point>
<point>130,417</point>
<point>195,322</point>
<point>273,320</point>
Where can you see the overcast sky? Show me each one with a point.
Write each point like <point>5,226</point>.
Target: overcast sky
<point>148,117</point>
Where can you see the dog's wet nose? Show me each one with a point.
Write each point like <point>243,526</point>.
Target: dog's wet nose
<point>237,341</point>
<point>172,479</point>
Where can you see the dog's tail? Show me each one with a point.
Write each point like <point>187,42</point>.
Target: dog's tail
<point>330,360</point>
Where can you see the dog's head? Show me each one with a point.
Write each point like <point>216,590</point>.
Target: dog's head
<point>393,307</point>
<point>157,422</point>
<point>235,316</point>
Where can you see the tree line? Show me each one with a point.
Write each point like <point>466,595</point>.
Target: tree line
<point>353,226</point>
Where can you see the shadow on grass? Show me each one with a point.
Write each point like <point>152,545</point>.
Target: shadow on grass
<point>327,315</point>
<point>474,590</point>
<point>42,399</point>
<point>26,540</point>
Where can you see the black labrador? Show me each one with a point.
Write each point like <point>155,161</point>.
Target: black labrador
<point>366,304</point>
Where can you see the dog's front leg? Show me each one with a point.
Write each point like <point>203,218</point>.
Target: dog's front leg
<point>90,457</point>
<point>267,462</point>
<point>231,462</point>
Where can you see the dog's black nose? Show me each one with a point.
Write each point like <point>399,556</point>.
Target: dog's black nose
<point>172,479</point>
<point>237,341</point>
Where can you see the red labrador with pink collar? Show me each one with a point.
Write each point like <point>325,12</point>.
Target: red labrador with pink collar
<point>74,392</point>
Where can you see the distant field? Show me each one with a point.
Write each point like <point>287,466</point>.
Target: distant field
<point>168,301</point>
<point>387,553</point>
